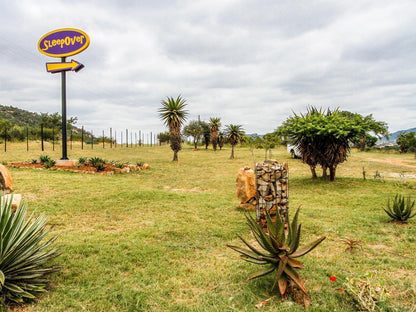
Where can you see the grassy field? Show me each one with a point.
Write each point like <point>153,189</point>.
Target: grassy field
<point>155,240</point>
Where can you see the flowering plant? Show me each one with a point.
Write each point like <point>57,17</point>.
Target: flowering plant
<point>369,295</point>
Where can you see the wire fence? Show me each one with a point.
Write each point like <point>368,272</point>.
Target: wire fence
<point>86,139</point>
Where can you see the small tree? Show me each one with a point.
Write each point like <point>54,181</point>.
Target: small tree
<point>406,142</point>
<point>173,114</point>
<point>194,129</point>
<point>323,137</point>
<point>234,134</point>
<point>366,124</point>
<point>206,133</point>
<point>163,137</point>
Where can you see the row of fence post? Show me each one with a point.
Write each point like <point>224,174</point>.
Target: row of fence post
<point>113,141</point>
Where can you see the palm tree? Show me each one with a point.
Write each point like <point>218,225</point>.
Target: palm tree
<point>173,114</point>
<point>221,139</point>
<point>234,134</point>
<point>214,127</point>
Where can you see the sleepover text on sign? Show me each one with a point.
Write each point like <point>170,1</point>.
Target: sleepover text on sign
<point>63,42</point>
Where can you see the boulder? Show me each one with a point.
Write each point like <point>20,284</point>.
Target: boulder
<point>6,181</point>
<point>16,199</point>
<point>245,188</point>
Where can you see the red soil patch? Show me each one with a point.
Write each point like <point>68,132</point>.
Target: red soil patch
<point>85,168</point>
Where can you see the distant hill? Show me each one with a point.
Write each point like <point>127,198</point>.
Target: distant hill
<point>393,136</point>
<point>19,116</point>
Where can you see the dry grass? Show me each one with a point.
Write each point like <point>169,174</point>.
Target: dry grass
<point>155,240</point>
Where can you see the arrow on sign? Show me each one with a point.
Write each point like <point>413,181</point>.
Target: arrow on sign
<point>64,66</point>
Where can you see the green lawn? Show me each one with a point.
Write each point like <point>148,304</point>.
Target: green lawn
<point>155,240</point>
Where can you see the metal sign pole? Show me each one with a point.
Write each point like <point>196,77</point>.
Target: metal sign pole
<point>63,91</point>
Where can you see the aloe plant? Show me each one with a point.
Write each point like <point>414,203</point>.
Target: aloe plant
<point>401,209</point>
<point>278,252</point>
<point>25,255</point>
<point>98,163</point>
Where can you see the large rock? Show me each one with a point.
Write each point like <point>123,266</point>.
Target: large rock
<point>245,188</point>
<point>15,198</point>
<point>6,181</point>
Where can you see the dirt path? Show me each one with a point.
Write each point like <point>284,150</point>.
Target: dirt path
<point>393,161</point>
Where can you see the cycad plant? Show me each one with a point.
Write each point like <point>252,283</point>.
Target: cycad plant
<point>234,134</point>
<point>278,252</point>
<point>173,114</point>
<point>214,128</point>
<point>98,163</point>
<point>25,254</point>
<point>401,209</point>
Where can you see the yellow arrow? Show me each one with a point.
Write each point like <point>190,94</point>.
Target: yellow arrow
<point>64,66</point>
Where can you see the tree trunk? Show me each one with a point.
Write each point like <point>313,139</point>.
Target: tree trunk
<point>195,144</point>
<point>232,152</point>
<point>313,172</point>
<point>324,172</point>
<point>332,171</point>
<point>362,143</point>
<point>175,156</point>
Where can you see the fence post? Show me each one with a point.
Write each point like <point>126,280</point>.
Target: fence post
<point>127,138</point>
<point>53,138</point>
<point>111,138</point>
<point>41,136</point>
<point>103,138</point>
<point>27,138</point>
<point>70,138</point>
<point>5,139</point>
<point>82,137</point>
<point>92,139</point>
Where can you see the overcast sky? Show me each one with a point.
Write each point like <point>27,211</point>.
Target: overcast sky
<point>248,62</point>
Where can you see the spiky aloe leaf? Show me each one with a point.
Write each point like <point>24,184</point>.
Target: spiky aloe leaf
<point>262,238</point>
<point>296,278</point>
<point>277,230</point>
<point>280,269</point>
<point>2,278</point>
<point>261,273</point>
<point>246,252</point>
<point>282,282</point>
<point>293,235</point>
<point>254,249</point>
<point>390,214</point>
<point>259,262</point>
<point>295,263</point>
<point>294,244</point>
<point>25,258</point>
<point>305,249</point>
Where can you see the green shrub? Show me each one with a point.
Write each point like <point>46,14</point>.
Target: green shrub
<point>44,158</point>
<point>25,256</point>
<point>97,162</point>
<point>401,209</point>
<point>118,164</point>
<point>278,252</point>
<point>49,164</point>
<point>82,161</point>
